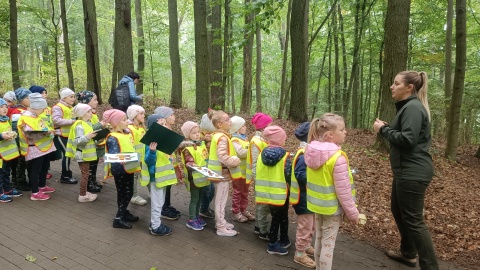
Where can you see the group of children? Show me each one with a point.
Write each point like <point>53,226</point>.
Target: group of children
<point>316,179</point>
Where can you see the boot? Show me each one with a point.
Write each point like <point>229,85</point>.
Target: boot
<point>91,187</point>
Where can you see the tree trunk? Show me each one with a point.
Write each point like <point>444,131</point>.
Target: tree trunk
<point>123,48</point>
<point>299,40</point>
<point>320,74</point>
<point>345,94</point>
<point>141,44</point>
<point>66,45</point>
<point>477,154</point>
<point>258,71</point>
<point>247,64</point>
<point>226,51</point>
<point>448,62</point>
<point>14,45</point>
<point>201,57</point>
<point>395,58</point>
<point>216,85</point>
<point>91,48</point>
<point>176,91</point>
<point>283,89</point>
<point>459,80</point>
<point>338,92</point>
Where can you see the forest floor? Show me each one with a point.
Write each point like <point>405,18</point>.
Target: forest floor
<point>451,204</point>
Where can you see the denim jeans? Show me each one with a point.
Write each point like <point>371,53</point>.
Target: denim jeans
<point>407,203</point>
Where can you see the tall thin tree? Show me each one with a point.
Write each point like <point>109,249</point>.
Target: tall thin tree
<point>173,47</point>
<point>202,100</point>
<point>141,44</point>
<point>448,61</point>
<point>91,48</point>
<point>66,45</point>
<point>123,48</point>
<point>216,81</point>
<point>14,44</point>
<point>247,61</point>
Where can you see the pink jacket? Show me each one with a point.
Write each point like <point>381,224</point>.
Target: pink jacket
<point>318,153</point>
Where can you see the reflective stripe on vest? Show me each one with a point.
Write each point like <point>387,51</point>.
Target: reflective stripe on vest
<point>321,194</point>
<point>214,164</point>
<point>243,161</point>
<point>137,134</point>
<point>260,144</point>
<point>270,184</point>
<point>200,157</point>
<point>294,188</point>
<point>8,148</point>
<point>67,114</point>
<point>125,141</point>
<point>36,124</point>
<point>164,171</point>
<point>89,151</point>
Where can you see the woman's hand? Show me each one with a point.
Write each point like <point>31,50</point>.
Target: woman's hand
<point>152,146</point>
<point>378,124</point>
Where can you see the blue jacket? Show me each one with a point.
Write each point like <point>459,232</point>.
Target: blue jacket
<point>150,160</point>
<point>272,155</point>
<point>131,86</point>
<point>301,175</point>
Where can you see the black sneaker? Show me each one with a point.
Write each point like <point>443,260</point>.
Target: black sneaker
<point>67,180</point>
<point>257,230</point>
<point>168,214</point>
<point>173,210</point>
<point>121,224</point>
<point>263,236</point>
<point>162,230</point>
<point>129,217</point>
<point>208,214</point>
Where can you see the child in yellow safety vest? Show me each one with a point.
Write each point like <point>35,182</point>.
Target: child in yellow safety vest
<point>63,120</point>
<point>223,161</point>
<point>240,187</point>
<point>8,152</point>
<point>330,187</point>
<point>36,143</point>
<point>298,199</point>
<point>118,141</point>
<point>195,154</point>
<point>272,179</point>
<point>208,192</point>
<point>81,147</point>
<point>260,121</point>
<point>90,98</point>
<point>136,126</point>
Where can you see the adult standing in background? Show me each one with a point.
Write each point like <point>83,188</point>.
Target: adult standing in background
<point>409,138</point>
<point>132,79</point>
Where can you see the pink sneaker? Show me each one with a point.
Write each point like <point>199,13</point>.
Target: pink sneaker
<point>39,196</point>
<point>47,189</point>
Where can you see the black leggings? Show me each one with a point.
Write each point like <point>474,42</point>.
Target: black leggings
<point>93,171</point>
<point>62,141</point>
<point>37,169</point>
<point>279,221</point>
<point>124,185</point>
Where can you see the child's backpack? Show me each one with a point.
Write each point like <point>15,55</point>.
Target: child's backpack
<point>120,97</point>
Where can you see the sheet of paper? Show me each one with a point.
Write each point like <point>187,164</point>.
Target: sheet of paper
<point>123,157</point>
<point>207,172</point>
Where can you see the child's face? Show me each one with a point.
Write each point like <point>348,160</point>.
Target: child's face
<point>44,94</point>
<point>195,134</point>
<point>25,102</point>
<point>339,134</point>
<point>70,99</point>
<point>225,123</point>
<point>242,130</point>
<point>171,119</point>
<point>140,117</point>
<point>87,116</point>
<point>123,124</point>
<point>93,102</point>
<point>3,110</point>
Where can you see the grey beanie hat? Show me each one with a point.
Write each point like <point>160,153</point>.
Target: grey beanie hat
<point>37,102</point>
<point>163,111</point>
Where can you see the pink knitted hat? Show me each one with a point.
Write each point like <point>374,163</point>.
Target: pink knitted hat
<point>275,135</point>
<point>187,128</point>
<point>113,116</point>
<point>261,120</point>
<point>80,109</point>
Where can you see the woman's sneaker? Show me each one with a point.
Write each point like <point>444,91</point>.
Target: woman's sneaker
<point>201,221</point>
<point>226,232</point>
<point>46,189</point>
<point>39,196</point>
<point>276,249</point>
<point>194,225</point>
<point>13,193</point>
<point>138,200</point>
<point>5,198</point>
<point>162,230</point>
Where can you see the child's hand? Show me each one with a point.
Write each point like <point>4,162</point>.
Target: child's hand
<point>6,135</point>
<point>91,135</point>
<point>153,146</point>
<point>103,123</point>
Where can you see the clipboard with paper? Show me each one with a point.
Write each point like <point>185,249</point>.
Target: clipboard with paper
<point>167,140</point>
<point>207,172</point>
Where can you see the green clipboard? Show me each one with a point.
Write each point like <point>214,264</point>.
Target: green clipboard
<point>167,140</point>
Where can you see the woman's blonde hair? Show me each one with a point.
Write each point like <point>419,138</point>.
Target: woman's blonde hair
<point>326,122</point>
<point>215,116</point>
<point>419,80</point>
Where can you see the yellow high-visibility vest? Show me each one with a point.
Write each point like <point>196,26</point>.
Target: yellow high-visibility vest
<point>260,144</point>
<point>37,124</point>
<point>200,156</point>
<point>125,142</point>
<point>214,164</point>
<point>270,183</point>
<point>95,119</point>
<point>67,114</point>
<point>89,151</point>
<point>46,115</point>
<point>8,148</point>
<point>137,134</point>
<point>321,195</point>
<point>164,171</point>
<point>243,161</point>
<point>294,188</point>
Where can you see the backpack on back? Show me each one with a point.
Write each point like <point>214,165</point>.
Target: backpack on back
<point>120,97</point>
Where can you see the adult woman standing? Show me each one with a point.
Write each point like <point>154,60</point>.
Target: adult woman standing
<point>409,137</point>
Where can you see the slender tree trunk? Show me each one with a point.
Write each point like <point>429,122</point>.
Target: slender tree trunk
<point>226,46</point>
<point>448,62</point>
<point>299,39</point>
<point>258,71</point>
<point>201,57</point>
<point>14,44</point>
<point>66,45</point>
<point>459,80</point>
<point>337,89</point>
<point>123,48</point>
<point>329,94</point>
<point>91,48</point>
<point>247,64</point>
<point>176,91</point>
<point>283,89</point>
<point>216,85</point>
<point>345,96</point>
<point>316,104</point>
<point>141,44</point>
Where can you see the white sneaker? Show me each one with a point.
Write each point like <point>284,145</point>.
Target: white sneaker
<point>226,232</point>
<point>138,200</point>
<point>89,197</point>
<point>229,226</point>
